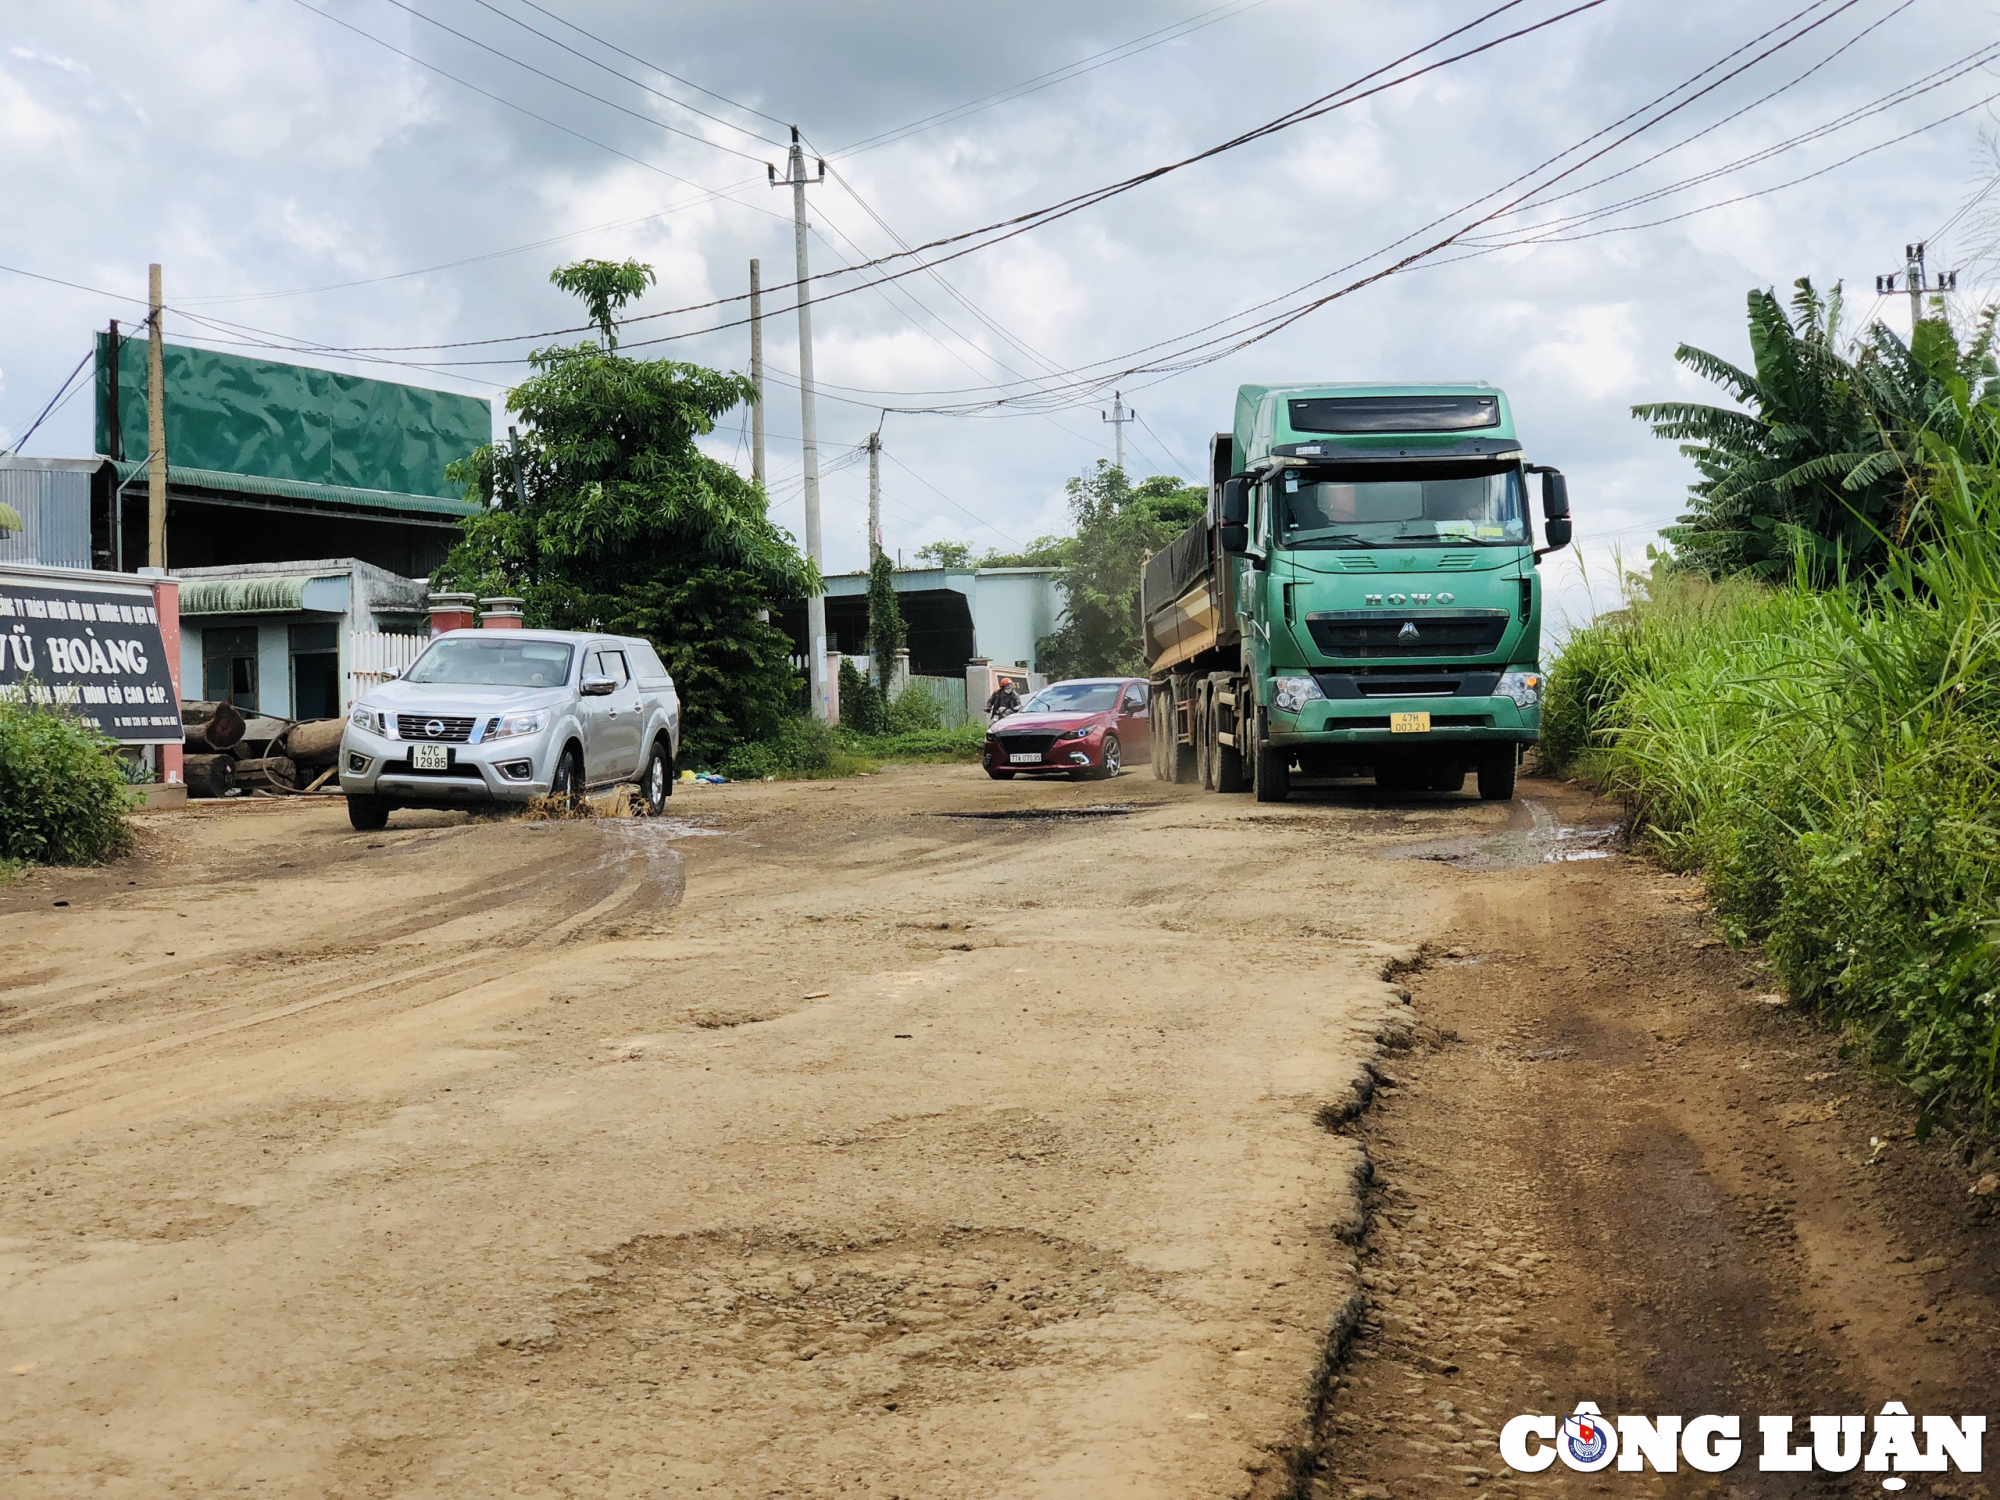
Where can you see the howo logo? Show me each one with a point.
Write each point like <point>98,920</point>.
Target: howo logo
<point>1398,601</point>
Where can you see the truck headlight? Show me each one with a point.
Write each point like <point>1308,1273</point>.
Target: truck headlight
<point>365,718</point>
<point>1525,688</point>
<point>530,721</point>
<point>1290,694</point>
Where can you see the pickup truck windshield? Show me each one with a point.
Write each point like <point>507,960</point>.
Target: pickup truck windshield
<point>1437,505</point>
<point>503,663</point>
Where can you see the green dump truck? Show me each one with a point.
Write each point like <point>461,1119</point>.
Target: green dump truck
<point>1362,596</point>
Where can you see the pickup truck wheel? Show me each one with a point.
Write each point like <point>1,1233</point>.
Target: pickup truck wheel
<point>1271,771</point>
<point>1496,773</point>
<point>656,783</point>
<point>367,814</point>
<point>566,786</point>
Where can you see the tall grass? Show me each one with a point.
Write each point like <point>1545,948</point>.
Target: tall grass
<point>1831,762</point>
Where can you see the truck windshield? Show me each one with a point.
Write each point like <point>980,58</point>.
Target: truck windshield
<point>1439,504</point>
<point>502,663</point>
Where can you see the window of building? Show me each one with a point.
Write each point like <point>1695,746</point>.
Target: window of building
<point>315,671</point>
<point>229,666</point>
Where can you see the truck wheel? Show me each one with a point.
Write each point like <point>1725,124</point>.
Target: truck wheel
<point>1271,771</point>
<point>368,814</point>
<point>1227,761</point>
<point>656,780</point>
<point>1204,739</point>
<point>1180,758</point>
<point>1158,741</point>
<point>1496,773</point>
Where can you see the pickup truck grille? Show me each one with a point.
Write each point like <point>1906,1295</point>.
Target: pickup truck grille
<point>1361,634</point>
<point>1024,744</point>
<point>451,730</point>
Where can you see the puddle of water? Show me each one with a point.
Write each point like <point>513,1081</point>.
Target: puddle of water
<point>1542,841</point>
<point>1049,814</point>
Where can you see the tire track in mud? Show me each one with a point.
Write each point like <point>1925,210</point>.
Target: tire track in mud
<point>1610,1171</point>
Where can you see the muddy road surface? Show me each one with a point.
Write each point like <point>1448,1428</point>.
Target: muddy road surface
<point>921,1136</point>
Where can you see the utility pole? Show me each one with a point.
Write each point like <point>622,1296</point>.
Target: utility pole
<point>1120,415</point>
<point>520,474</point>
<point>757,374</point>
<point>1916,282</point>
<point>795,178</point>
<point>156,428</point>
<point>874,496</point>
<point>114,435</point>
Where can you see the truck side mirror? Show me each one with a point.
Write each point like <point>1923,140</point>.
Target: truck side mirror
<point>1235,502</point>
<point>1555,510</point>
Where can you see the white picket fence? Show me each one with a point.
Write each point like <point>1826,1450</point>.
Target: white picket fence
<point>373,658</point>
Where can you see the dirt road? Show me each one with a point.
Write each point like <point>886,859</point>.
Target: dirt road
<point>896,1138</point>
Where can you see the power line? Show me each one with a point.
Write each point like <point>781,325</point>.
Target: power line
<point>574,88</point>
<point>1036,218</point>
<point>61,390</point>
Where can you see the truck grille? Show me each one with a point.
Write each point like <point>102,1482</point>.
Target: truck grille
<point>1024,744</point>
<point>450,731</point>
<point>1360,634</point>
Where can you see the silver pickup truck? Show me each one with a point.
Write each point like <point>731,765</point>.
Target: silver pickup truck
<point>508,716</point>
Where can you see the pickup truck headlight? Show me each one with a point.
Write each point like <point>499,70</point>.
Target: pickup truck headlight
<point>1290,694</point>
<point>530,721</point>
<point>1525,688</point>
<point>366,718</point>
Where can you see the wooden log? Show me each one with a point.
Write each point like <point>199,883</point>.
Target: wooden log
<point>208,775</point>
<point>316,742</point>
<point>218,729</point>
<point>274,770</point>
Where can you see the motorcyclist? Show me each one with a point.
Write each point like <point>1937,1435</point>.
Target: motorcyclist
<point>1004,700</point>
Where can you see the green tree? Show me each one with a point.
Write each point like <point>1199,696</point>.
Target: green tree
<point>628,527</point>
<point>605,286</point>
<point>885,620</point>
<point>943,554</point>
<point>1118,526</point>
<point>1830,460</point>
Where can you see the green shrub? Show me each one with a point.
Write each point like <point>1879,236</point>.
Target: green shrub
<point>63,799</point>
<point>914,712</point>
<point>923,745</point>
<point>861,707</point>
<point>802,747</point>
<point>1826,760</point>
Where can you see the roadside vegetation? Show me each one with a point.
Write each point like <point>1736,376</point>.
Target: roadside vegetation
<point>1802,699</point>
<point>63,798</point>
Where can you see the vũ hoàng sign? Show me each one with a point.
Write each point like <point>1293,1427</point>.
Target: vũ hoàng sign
<point>95,652</point>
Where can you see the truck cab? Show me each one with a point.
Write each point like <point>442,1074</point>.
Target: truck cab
<point>1369,598</point>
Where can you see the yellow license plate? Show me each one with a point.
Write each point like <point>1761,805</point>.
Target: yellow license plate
<point>1409,723</point>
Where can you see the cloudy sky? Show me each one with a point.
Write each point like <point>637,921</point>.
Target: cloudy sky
<point>308,174</point>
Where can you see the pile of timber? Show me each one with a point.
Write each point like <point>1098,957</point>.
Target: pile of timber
<point>229,751</point>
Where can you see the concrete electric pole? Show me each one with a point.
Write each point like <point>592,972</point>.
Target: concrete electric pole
<point>757,374</point>
<point>795,178</point>
<point>1120,415</point>
<point>156,428</point>
<point>874,496</point>
<point>1916,282</point>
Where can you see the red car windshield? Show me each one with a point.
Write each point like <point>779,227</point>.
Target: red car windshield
<point>1074,698</point>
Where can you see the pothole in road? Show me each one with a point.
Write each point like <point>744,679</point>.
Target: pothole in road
<point>1049,814</point>
<point>1534,837</point>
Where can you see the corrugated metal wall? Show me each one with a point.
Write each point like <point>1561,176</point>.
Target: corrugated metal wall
<point>55,512</point>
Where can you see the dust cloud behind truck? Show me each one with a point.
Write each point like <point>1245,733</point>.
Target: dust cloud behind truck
<point>1362,596</point>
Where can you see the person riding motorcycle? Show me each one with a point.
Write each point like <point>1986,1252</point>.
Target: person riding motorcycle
<point>1003,702</point>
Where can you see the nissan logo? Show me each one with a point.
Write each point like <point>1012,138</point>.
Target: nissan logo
<point>434,728</point>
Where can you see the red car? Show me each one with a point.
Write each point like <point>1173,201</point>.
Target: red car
<point>1086,729</point>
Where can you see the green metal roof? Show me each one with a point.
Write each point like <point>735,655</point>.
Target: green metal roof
<point>266,594</point>
<point>299,489</point>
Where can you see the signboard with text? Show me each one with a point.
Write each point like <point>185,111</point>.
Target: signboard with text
<point>92,650</point>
